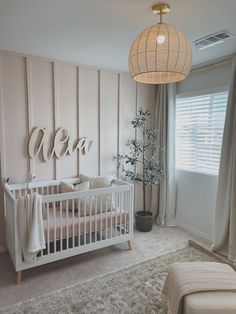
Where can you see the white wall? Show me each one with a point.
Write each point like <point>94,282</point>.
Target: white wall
<point>196,192</point>
<point>211,78</point>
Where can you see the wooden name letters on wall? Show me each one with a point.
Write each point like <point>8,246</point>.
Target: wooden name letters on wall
<point>63,144</point>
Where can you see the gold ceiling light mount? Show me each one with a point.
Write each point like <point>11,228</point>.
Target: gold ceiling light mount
<point>160,8</point>
<point>161,53</point>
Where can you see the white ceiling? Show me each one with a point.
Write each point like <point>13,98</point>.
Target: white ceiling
<point>100,32</point>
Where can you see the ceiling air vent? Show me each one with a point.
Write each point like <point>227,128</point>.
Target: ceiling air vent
<point>211,40</point>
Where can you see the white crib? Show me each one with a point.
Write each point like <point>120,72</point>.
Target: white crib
<point>67,231</point>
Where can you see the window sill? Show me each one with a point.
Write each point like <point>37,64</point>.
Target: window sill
<point>197,172</point>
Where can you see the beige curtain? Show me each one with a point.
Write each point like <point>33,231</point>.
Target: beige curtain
<point>224,232</point>
<point>164,195</point>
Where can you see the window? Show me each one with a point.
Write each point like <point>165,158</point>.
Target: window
<point>199,130</point>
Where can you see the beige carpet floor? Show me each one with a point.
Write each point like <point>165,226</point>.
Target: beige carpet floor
<point>58,275</point>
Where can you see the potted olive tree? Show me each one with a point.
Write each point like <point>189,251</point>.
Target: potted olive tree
<point>142,165</point>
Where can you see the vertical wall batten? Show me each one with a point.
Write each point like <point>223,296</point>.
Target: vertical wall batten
<point>2,162</point>
<point>29,106</point>
<point>99,122</point>
<point>77,115</point>
<point>42,86</point>
<point>55,113</point>
<point>2,125</point>
<point>127,111</point>
<point>118,127</point>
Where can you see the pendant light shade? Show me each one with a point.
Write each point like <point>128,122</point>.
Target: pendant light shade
<point>160,54</point>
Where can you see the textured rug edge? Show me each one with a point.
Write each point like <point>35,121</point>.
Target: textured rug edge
<point>203,248</point>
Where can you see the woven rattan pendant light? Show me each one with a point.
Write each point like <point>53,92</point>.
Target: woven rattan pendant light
<point>161,53</point>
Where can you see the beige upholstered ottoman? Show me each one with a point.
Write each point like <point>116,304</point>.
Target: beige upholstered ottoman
<point>200,288</point>
<point>217,302</point>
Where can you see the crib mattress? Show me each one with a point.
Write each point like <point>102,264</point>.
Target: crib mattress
<point>61,226</point>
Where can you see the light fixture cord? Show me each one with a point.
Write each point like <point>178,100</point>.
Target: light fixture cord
<point>161,15</point>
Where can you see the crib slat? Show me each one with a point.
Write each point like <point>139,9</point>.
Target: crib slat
<point>106,213</point>
<point>96,219</point>
<point>90,219</point>
<point>101,217</point>
<point>125,208</point>
<point>79,211</point>
<point>121,207</point>
<point>54,227</point>
<point>111,218</point>
<point>116,205</point>
<point>73,222</point>
<point>113,197</point>
<point>48,224</point>
<point>85,220</point>
<point>117,212</point>
<point>61,248</point>
<point>67,229</point>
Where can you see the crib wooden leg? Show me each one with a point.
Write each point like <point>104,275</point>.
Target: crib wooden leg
<point>18,277</point>
<point>129,244</point>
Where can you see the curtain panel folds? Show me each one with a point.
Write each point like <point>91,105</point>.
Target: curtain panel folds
<point>164,195</point>
<point>224,230</point>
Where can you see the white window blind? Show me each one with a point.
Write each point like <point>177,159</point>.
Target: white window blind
<point>199,130</point>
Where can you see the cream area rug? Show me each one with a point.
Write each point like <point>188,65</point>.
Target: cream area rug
<point>133,290</point>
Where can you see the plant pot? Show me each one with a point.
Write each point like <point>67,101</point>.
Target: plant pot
<point>144,221</point>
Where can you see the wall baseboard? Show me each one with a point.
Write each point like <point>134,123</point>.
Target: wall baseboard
<point>2,249</point>
<point>194,231</point>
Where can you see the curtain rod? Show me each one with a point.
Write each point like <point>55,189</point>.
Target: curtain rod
<point>213,63</point>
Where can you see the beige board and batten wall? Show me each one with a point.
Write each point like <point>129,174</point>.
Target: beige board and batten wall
<point>87,101</point>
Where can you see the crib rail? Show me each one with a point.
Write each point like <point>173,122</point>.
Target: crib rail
<point>41,187</point>
<point>45,187</point>
<point>78,219</point>
<point>76,222</point>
